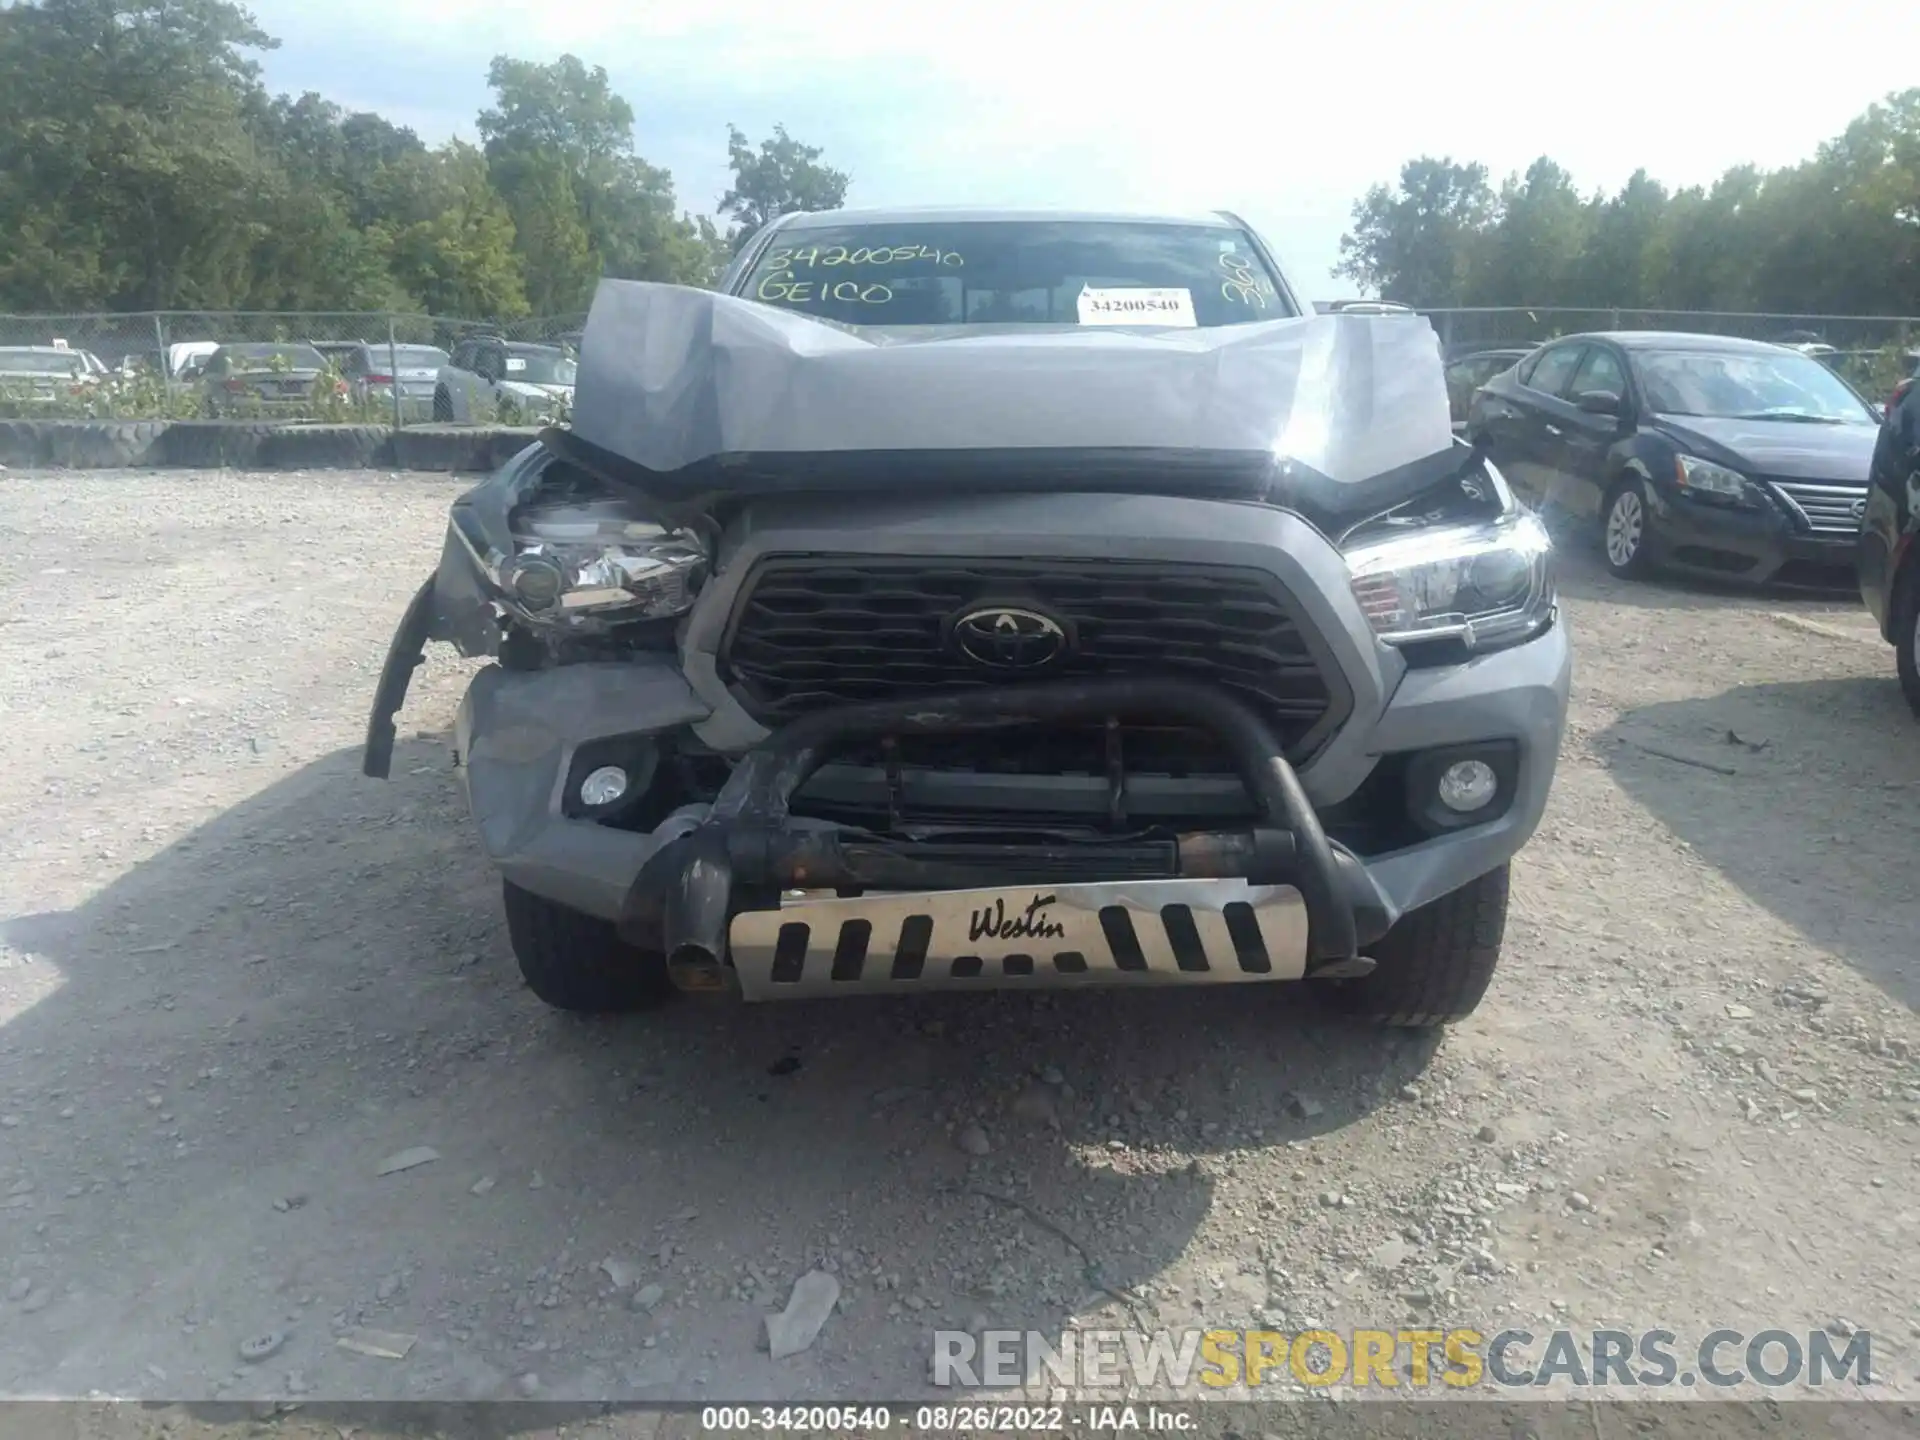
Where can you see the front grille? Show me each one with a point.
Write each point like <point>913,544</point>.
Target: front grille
<point>1825,506</point>
<point>836,630</point>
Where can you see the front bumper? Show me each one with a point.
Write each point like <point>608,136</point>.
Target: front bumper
<point>725,880</point>
<point>1759,545</point>
<point>727,870</point>
<point>521,736</point>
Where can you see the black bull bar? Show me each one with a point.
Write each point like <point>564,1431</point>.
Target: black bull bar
<point>748,849</point>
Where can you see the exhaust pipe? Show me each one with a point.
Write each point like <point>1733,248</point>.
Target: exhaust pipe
<point>693,920</point>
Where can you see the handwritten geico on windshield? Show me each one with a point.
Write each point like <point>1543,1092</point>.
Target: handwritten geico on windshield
<point>782,288</point>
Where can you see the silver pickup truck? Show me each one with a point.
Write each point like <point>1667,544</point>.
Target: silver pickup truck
<point>965,599</point>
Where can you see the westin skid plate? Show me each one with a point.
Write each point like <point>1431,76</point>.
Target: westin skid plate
<point>1136,932</point>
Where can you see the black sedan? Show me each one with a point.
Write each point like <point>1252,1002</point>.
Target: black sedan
<point>1696,453</point>
<point>1889,558</point>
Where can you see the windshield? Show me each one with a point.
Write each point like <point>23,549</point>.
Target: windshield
<point>1754,386</point>
<point>39,362</point>
<point>1032,272</point>
<point>539,368</point>
<point>265,357</point>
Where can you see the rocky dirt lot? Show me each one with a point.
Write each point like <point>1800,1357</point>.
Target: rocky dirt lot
<point>237,978</point>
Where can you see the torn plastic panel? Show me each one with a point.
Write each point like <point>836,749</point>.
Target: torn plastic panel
<point>609,593</point>
<point>456,604</point>
<point>686,396</point>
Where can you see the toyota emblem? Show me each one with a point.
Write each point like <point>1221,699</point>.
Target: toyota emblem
<point>1004,638</point>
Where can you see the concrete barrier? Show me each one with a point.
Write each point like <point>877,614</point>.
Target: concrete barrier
<point>449,448</point>
<point>254,445</point>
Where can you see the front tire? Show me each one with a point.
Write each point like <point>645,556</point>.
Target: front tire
<point>579,962</point>
<point>1623,529</point>
<point>1434,966</point>
<point>442,406</point>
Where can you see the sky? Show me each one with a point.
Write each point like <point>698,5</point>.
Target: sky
<point>1282,112</point>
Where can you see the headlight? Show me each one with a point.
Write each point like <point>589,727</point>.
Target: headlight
<point>586,565</point>
<point>1484,585</point>
<point>1703,477</point>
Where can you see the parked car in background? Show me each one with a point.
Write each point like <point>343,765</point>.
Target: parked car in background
<point>43,374</point>
<point>1698,453</point>
<point>266,377</point>
<point>488,379</point>
<point>187,358</point>
<point>337,351</point>
<point>1468,371</point>
<point>1888,557</point>
<point>373,370</point>
<point>142,362</point>
<point>1367,307</point>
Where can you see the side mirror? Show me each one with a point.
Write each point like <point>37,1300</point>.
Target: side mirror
<point>1599,402</point>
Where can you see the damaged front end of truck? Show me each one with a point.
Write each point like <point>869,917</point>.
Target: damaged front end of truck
<point>826,663</point>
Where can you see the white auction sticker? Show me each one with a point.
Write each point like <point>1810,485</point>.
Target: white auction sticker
<point>1136,307</point>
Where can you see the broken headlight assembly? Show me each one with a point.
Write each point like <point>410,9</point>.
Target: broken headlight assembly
<point>591,565</point>
<point>1479,585</point>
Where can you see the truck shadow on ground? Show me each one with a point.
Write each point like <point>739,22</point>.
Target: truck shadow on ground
<point>1802,795</point>
<point>247,1023</point>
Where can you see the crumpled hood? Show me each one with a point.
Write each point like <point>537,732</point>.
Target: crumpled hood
<point>673,379</point>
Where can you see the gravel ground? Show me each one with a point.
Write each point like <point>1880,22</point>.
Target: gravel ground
<point>237,977</point>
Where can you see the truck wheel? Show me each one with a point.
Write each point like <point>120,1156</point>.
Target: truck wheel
<point>442,406</point>
<point>579,962</point>
<point>1434,965</point>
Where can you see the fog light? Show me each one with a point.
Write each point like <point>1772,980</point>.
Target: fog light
<point>1467,785</point>
<point>609,783</point>
<point>536,581</point>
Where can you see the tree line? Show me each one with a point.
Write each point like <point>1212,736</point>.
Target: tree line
<point>144,166</point>
<point>1837,234</point>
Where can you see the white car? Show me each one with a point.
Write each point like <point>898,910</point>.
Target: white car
<point>42,374</point>
<point>488,380</point>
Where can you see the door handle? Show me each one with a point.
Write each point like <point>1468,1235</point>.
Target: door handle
<point>1553,429</point>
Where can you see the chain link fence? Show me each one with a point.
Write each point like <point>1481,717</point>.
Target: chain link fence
<point>1873,352</point>
<point>387,368</point>
<point>365,368</point>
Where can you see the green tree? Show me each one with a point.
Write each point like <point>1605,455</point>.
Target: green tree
<point>1712,243</point>
<point>780,176</point>
<point>131,177</point>
<point>558,266</point>
<point>1532,248</point>
<point>1621,264</point>
<point>1838,233</point>
<point>560,145</point>
<point>1413,244</point>
<point>453,249</point>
